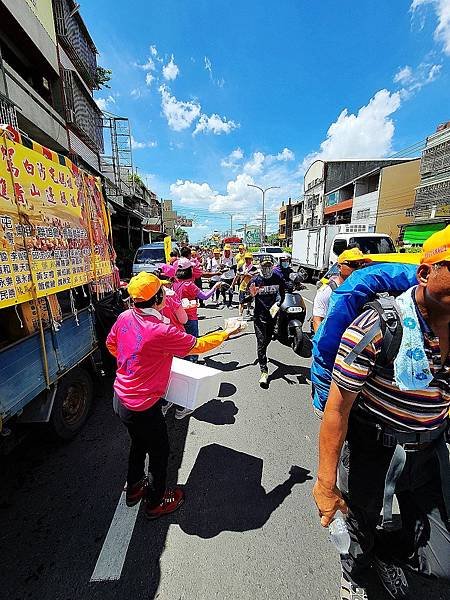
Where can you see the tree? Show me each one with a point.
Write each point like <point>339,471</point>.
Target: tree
<point>102,76</point>
<point>181,235</point>
<point>273,239</point>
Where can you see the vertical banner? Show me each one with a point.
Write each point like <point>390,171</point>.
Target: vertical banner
<point>167,248</point>
<point>53,224</point>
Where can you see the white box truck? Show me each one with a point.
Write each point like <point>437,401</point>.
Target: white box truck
<point>316,249</point>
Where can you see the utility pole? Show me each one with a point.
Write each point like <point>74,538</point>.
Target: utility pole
<point>231,223</point>
<point>263,221</point>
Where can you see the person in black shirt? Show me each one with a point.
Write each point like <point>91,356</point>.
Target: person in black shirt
<point>267,288</point>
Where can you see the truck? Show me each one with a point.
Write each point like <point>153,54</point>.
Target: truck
<point>316,249</point>
<point>57,277</point>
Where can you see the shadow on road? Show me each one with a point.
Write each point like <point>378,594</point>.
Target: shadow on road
<point>217,412</point>
<point>282,371</point>
<point>233,365</point>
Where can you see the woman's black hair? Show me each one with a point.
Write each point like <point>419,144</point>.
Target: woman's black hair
<point>175,253</point>
<point>186,252</point>
<point>184,273</point>
<point>154,300</point>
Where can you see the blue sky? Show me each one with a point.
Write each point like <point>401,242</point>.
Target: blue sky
<point>225,93</point>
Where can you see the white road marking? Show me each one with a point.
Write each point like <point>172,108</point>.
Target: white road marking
<point>115,547</point>
<point>114,551</point>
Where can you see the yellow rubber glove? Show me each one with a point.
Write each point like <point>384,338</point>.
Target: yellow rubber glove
<point>209,342</point>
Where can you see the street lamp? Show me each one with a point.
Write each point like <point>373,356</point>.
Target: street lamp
<point>231,223</point>
<point>263,222</point>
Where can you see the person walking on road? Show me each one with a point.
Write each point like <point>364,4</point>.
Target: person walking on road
<point>243,276</point>
<point>348,261</point>
<point>394,421</point>
<point>144,344</point>
<point>213,266</point>
<point>267,288</point>
<point>228,264</point>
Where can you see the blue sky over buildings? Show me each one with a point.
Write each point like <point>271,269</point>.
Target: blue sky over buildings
<point>222,94</point>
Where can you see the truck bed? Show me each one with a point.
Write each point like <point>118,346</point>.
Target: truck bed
<point>22,375</point>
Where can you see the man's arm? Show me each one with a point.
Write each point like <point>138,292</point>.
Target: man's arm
<point>316,323</point>
<point>331,439</point>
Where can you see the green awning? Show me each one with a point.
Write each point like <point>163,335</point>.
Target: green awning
<point>417,234</point>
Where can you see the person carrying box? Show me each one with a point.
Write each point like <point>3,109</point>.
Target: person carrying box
<point>144,344</point>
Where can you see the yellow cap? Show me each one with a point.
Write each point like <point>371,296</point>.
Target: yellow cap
<point>227,247</point>
<point>248,255</point>
<point>437,247</point>
<point>241,247</point>
<point>352,255</point>
<point>216,251</point>
<point>143,286</point>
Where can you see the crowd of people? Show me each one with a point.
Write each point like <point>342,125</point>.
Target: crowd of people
<point>384,425</point>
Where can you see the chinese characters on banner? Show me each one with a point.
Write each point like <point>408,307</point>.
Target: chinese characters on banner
<point>52,219</point>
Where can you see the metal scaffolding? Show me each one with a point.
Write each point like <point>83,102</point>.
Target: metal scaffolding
<point>118,165</point>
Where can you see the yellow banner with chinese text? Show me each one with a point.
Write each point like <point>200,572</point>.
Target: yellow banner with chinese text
<point>53,224</point>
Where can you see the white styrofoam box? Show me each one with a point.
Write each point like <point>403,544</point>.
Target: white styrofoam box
<point>191,385</point>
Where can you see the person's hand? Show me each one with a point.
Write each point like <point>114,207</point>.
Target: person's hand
<point>328,501</point>
<point>217,285</point>
<point>253,289</point>
<point>233,328</point>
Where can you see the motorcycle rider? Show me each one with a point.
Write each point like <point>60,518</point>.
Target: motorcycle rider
<point>267,288</point>
<point>283,268</point>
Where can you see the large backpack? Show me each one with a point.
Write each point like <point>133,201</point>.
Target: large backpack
<point>375,286</point>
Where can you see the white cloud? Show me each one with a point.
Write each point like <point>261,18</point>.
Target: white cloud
<point>105,103</point>
<point>403,75</point>
<point>255,164</point>
<point>153,51</point>
<point>215,124</point>
<point>171,70</point>
<point>149,79</point>
<point>413,80</point>
<point>180,115</point>
<point>139,145</point>
<point>208,67</point>
<point>442,10</point>
<point>147,66</point>
<point>136,93</point>
<point>285,155</point>
<point>366,134</point>
<point>230,162</point>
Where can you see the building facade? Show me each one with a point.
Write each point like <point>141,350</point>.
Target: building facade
<point>285,223</point>
<point>433,193</point>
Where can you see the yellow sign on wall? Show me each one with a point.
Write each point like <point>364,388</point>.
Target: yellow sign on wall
<point>43,9</point>
<point>53,224</point>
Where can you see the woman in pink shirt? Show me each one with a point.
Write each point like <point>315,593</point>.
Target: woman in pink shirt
<point>144,344</point>
<point>186,289</point>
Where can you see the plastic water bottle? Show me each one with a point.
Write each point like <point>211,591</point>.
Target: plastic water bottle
<point>339,533</point>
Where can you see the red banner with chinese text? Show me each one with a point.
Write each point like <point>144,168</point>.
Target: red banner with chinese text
<point>53,224</point>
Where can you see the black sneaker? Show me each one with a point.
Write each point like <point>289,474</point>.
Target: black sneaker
<point>392,578</point>
<point>349,591</point>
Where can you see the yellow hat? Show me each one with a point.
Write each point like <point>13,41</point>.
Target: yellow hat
<point>227,247</point>
<point>143,286</point>
<point>241,247</point>
<point>216,251</point>
<point>248,255</point>
<point>352,255</point>
<point>437,247</point>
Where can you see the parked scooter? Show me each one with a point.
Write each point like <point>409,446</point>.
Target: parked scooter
<point>291,316</point>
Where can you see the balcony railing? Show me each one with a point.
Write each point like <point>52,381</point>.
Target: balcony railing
<point>81,111</point>
<point>8,112</point>
<point>76,41</point>
<point>436,159</point>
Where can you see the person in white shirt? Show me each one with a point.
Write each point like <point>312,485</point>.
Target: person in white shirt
<point>228,263</point>
<point>348,261</point>
<point>213,265</point>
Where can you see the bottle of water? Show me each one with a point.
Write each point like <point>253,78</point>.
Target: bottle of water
<point>339,533</point>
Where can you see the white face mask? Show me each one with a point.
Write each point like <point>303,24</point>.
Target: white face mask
<point>285,264</point>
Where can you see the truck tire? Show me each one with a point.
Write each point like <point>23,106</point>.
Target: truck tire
<point>72,404</point>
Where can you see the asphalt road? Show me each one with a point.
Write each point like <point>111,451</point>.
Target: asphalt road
<point>248,528</point>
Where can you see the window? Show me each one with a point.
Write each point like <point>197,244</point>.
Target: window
<point>339,246</point>
<point>363,214</point>
<point>148,255</point>
<point>373,245</point>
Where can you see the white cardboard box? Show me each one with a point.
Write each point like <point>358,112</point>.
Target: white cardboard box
<point>191,385</point>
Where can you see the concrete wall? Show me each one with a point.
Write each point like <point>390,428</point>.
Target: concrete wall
<point>36,118</point>
<point>365,202</point>
<point>396,196</point>
<point>38,23</point>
